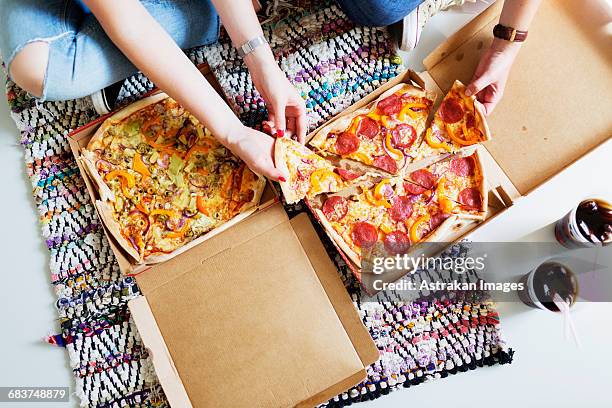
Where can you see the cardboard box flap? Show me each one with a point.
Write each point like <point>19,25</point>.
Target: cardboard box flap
<point>158,275</point>
<point>257,318</point>
<point>557,102</point>
<point>336,292</point>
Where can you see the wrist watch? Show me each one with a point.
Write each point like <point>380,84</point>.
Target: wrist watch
<point>509,33</point>
<point>250,46</point>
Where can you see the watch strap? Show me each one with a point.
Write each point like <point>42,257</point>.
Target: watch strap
<point>250,46</point>
<point>509,33</point>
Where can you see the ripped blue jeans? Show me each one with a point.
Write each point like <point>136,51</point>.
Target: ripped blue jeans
<point>82,59</point>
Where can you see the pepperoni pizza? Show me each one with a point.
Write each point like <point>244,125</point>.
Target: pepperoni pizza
<point>395,214</point>
<point>391,207</point>
<point>385,134</point>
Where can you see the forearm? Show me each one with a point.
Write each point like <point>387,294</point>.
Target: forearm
<point>517,14</point>
<point>155,53</point>
<point>241,23</point>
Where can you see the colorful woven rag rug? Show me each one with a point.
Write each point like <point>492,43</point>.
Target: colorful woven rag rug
<point>333,63</point>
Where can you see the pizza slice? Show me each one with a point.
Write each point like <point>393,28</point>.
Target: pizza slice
<point>457,185</point>
<point>458,123</point>
<point>385,134</point>
<point>309,173</point>
<point>385,219</point>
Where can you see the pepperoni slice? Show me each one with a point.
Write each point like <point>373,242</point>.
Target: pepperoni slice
<point>397,242</point>
<point>403,135</point>
<point>347,143</point>
<point>451,111</point>
<point>436,219</point>
<point>364,234</point>
<point>347,175</point>
<point>414,189</point>
<point>335,208</point>
<point>470,198</point>
<point>385,163</point>
<point>368,127</point>
<point>400,209</point>
<point>463,166</point>
<point>391,105</point>
<point>423,178</point>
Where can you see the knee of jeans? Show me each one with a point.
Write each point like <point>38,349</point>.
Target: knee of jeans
<point>28,67</point>
<point>189,22</point>
<point>375,13</point>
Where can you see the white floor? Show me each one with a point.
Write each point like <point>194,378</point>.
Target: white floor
<point>548,371</point>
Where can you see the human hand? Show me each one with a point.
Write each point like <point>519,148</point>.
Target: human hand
<point>491,75</point>
<point>287,110</point>
<point>256,149</point>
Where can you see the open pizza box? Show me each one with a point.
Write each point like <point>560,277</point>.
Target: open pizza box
<point>556,108</point>
<point>255,314</point>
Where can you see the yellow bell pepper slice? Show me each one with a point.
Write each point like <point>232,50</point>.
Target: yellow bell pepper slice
<point>385,122</point>
<point>407,110</point>
<point>197,149</point>
<point>319,176</point>
<point>431,141</point>
<point>375,116</point>
<point>414,229</point>
<point>377,202</point>
<point>386,229</point>
<point>446,205</point>
<point>127,180</point>
<point>180,233</point>
<point>456,138</point>
<point>139,166</point>
<point>201,206</point>
<point>362,157</point>
<point>396,154</point>
<point>378,190</point>
<point>124,175</point>
<point>355,124</point>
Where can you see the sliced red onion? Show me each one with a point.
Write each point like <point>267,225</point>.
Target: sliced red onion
<point>431,197</point>
<point>105,163</point>
<point>393,155</point>
<point>180,224</point>
<point>133,243</point>
<point>388,191</point>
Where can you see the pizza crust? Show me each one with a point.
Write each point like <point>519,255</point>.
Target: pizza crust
<point>281,151</point>
<point>107,215</point>
<point>344,246</point>
<point>121,115</point>
<point>89,164</point>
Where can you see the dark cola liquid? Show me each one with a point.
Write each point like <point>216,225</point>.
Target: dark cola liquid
<point>594,221</point>
<point>589,225</point>
<point>545,281</point>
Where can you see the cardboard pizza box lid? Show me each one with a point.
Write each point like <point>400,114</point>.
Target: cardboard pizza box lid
<point>256,316</point>
<point>557,104</point>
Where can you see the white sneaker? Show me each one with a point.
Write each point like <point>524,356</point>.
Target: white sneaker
<point>413,23</point>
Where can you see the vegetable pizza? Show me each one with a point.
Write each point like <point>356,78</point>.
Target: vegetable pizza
<point>164,180</point>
